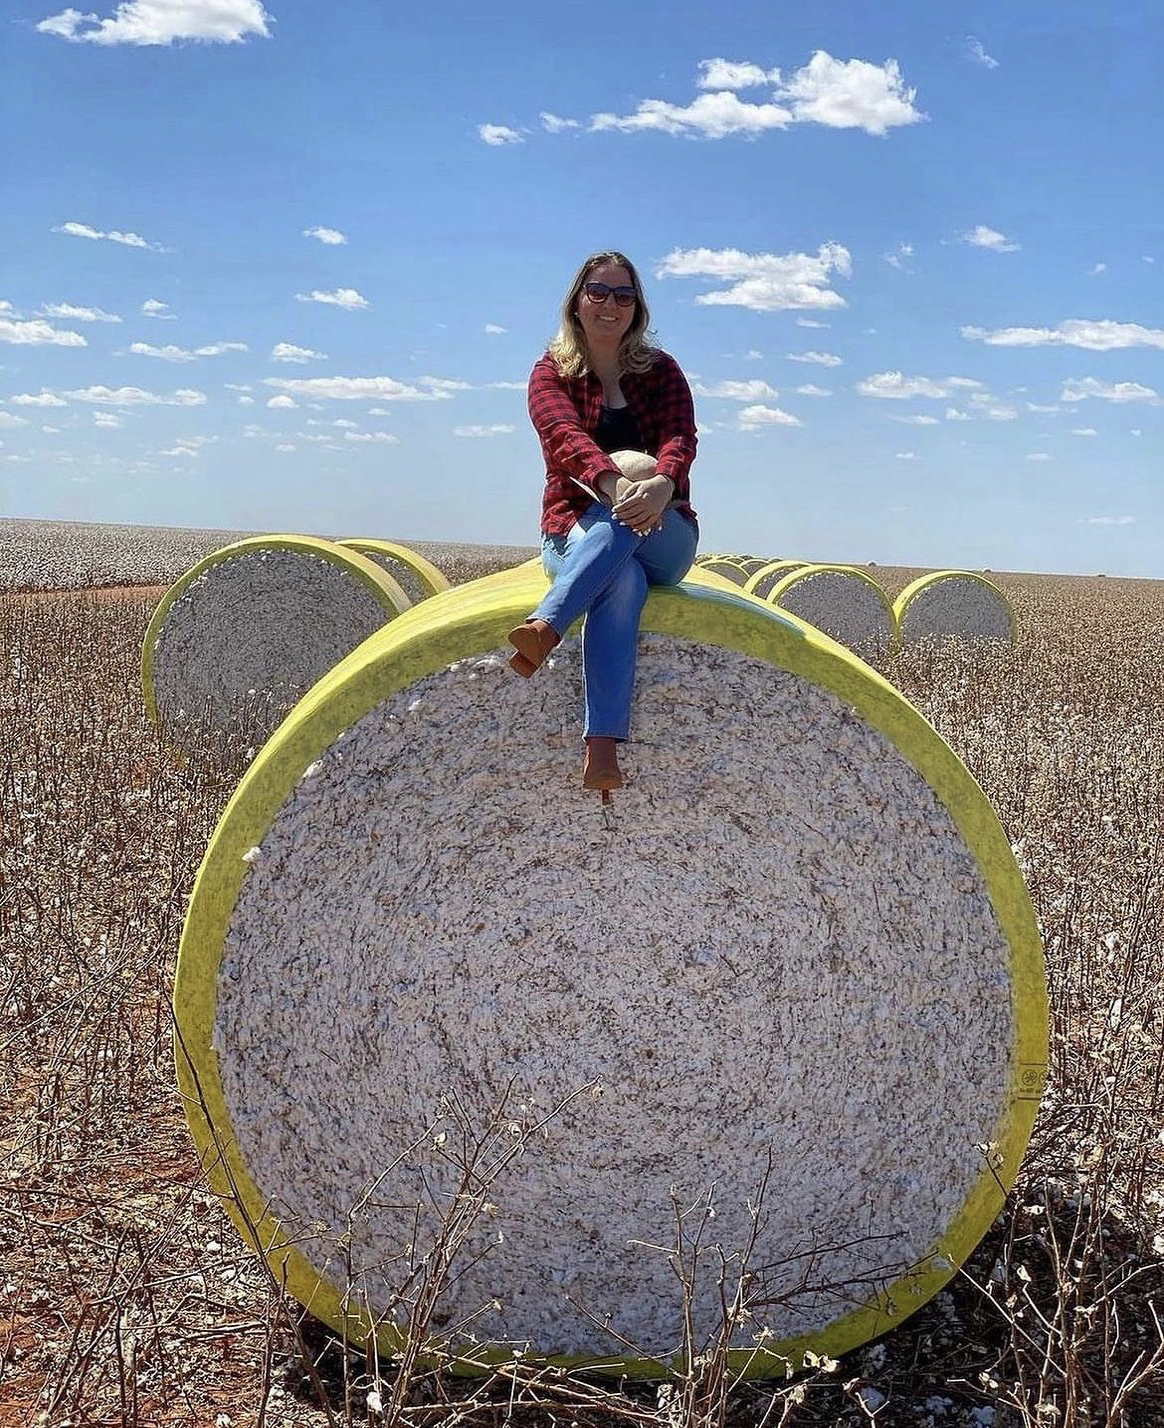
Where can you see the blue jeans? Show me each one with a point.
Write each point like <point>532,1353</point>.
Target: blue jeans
<point>602,569</point>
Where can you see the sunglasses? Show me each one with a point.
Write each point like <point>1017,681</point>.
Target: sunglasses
<point>599,292</point>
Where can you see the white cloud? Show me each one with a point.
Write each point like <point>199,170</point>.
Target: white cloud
<point>953,414</point>
<point>498,134</point>
<point>1095,334</point>
<point>167,354</point>
<point>554,125</point>
<point>445,384</point>
<point>998,413</point>
<point>355,389</point>
<point>1076,389</point>
<point>288,352</point>
<point>916,420</point>
<point>51,430</point>
<point>821,359</point>
<point>381,438</point>
<point>286,446</point>
<point>170,353</point>
<point>732,74</point>
<point>753,418</point>
<point>330,236</point>
<point>1038,456</point>
<point>38,399</point>
<point>897,258</point>
<point>38,333</point>
<point>497,429</point>
<point>977,52</point>
<point>900,388</point>
<point>153,308</point>
<point>1084,431</point>
<point>983,237</point>
<point>810,322</point>
<point>750,391</point>
<point>107,420</point>
<point>77,314</point>
<point>493,329</point>
<point>342,297</point>
<point>905,455</point>
<point>136,397</point>
<point>128,240</point>
<point>282,403</point>
<point>851,94</point>
<point>161,22</point>
<point>764,282</point>
<point>808,390</point>
<point>1107,520</point>
<point>509,386</point>
<point>1099,268</point>
<point>840,94</point>
<point>1135,430</point>
<point>710,116</point>
<point>1043,407</point>
<point>9,421</point>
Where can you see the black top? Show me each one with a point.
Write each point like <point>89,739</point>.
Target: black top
<point>617,430</point>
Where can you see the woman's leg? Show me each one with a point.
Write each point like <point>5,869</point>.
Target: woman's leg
<point>595,548</point>
<point>610,639</point>
<point>610,635</point>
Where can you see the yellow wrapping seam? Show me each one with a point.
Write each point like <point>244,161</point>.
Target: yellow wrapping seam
<point>771,568</point>
<point>425,571</point>
<point>473,619</point>
<point>915,587</point>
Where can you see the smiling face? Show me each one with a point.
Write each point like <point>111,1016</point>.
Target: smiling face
<point>605,324</point>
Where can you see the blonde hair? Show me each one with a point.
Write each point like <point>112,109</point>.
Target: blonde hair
<point>635,354</point>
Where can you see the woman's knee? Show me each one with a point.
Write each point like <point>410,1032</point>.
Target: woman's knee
<point>668,556</point>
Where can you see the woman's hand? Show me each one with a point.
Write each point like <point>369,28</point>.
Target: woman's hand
<point>640,504</point>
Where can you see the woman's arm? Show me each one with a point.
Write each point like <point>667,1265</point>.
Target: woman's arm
<point>567,447</point>
<point>673,414</point>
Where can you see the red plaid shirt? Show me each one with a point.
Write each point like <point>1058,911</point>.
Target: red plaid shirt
<point>565,413</point>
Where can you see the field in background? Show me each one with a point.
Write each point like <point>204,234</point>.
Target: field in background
<point>125,1294</point>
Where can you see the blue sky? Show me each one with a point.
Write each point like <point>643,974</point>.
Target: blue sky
<point>286,267</point>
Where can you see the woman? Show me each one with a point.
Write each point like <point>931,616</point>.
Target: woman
<point>601,389</point>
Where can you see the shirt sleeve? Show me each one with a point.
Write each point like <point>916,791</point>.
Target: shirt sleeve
<point>675,415</point>
<point>568,449</point>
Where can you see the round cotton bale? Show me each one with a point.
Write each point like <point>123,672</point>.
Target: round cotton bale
<point>236,641</point>
<point>760,583</point>
<point>736,568</point>
<point>796,954</point>
<point>417,577</point>
<point>843,602</point>
<point>954,604</point>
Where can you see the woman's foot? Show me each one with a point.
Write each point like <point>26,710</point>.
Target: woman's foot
<point>600,767</point>
<point>533,641</point>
